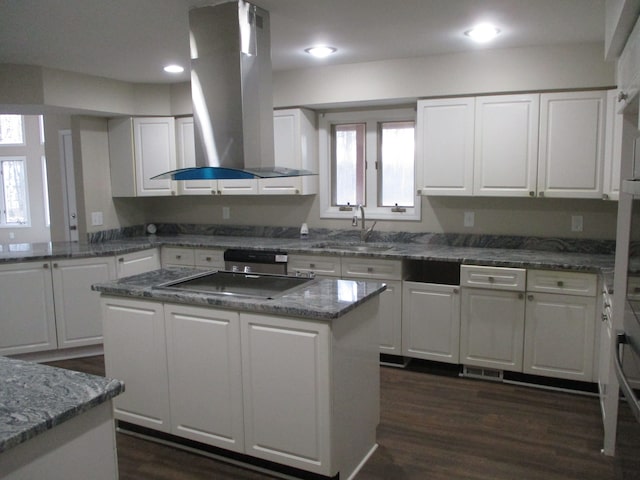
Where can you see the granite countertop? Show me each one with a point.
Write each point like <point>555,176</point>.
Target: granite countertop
<point>35,398</point>
<point>320,299</point>
<point>506,257</point>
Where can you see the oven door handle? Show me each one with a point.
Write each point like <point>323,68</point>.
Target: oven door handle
<point>627,391</point>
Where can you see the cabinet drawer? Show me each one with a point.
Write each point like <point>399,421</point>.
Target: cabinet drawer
<point>210,258</point>
<point>372,268</point>
<point>177,256</point>
<point>497,278</point>
<point>568,283</point>
<point>319,264</point>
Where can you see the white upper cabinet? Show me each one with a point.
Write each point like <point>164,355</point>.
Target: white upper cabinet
<point>295,145</point>
<point>186,158</point>
<point>141,148</point>
<point>506,145</point>
<point>612,149</point>
<point>571,144</point>
<point>444,149</point>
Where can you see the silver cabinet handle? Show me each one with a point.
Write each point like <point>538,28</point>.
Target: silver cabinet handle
<point>622,96</point>
<point>121,260</point>
<point>178,257</point>
<point>455,290</point>
<point>45,265</point>
<point>369,269</point>
<point>530,297</point>
<point>520,296</point>
<point>208,259</point>
<point>312,265</point>
<point>560,283</point>
<point>55,265</point>
<point>491,279</point>
<point>532,193</point>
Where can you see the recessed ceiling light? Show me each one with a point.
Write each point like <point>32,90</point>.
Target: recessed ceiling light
<point>482,33</point>
<point>173,69</point>
<point>320,51</point>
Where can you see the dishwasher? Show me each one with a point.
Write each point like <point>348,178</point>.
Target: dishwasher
<point>431,310</point>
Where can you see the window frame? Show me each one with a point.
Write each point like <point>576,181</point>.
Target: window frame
<point>373,179</point>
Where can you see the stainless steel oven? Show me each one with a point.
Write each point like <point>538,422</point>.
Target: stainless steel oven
<point>255,261</point>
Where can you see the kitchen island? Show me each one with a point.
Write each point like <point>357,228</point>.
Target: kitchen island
<point>55,423</point>
<point>290,382</point>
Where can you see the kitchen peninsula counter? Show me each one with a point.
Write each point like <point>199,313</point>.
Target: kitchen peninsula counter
<point>46,412</point>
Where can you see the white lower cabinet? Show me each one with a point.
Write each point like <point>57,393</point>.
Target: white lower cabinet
<point>286,381</point>
<point>492,328</point>
<point>50,305</point>
<point>135,352</point>
<point>137,262</point>
<point>560,328</point>
<point>27,315</point>
<point>204,366</point>
<point>431,321</point>
<point>78,313</point>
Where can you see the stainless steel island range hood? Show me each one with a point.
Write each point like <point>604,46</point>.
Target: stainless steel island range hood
<point>231,89</point>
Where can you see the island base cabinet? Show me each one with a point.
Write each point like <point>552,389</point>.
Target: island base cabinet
<point>204,363</point>
<point>390,321</point>
<point>492,328</point>
<point>560,336</point>
<point>135,352</point>
<point>287,404</point>
<point>431,322</point>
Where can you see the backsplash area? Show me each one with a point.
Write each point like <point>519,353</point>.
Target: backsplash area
<point>353,235</point>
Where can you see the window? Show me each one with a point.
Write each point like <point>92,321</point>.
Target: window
<point>368,158</point>
<point>11,130</point>
<point>13,191</point>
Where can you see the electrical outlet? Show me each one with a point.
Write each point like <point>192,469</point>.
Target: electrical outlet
<point>226,213</point>
<point>12,235</point>
<point>576,223</point>
<point>96,219</point>
<point>469,219</point>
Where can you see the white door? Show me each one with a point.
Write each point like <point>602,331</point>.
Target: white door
<point>492,328</point>
<point>135,352</point>
<point>69,186</point>
<point>431,322</point>
<point>444,149</point>
<point>203,355</point>
<point>506,145</point>
<point>78,312</point>
<point>571,144</point>
<point>27,317</point>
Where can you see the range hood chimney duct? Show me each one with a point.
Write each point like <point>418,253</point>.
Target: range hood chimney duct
<point>231,89</point>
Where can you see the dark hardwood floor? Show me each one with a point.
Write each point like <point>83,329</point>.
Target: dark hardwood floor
<point>440,427</point>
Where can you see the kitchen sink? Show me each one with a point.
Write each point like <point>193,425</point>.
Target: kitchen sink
<point>262,285</point>
<point>354,247</point>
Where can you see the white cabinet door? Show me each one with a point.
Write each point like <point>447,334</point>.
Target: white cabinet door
<point>571,152</point>
<point>559,336</point>
<point>247,186</point>
<point>492,328</point>
<point>287,391</point>
<point>444,148</point>
<point>140,148</point>
<point>296,147</point>
<point>78,312</point>
<point>613,149</point>
<point>431,321</point>
<point>27,316</point>
<point>137,262</point>
<point>205,379</point>
<point>506,145</point>
<point>320,265</point>
<point>155,153</point>
<point>186,158</point>
<point>135,351</point>
<point>390,318</point>
<point>210,258</point>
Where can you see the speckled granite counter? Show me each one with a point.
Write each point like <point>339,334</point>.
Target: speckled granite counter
<point>322,299</point>
<point>35,398</point>
<point>508,257</point>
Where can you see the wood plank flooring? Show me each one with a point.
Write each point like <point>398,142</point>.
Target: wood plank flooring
<point>440,427</point>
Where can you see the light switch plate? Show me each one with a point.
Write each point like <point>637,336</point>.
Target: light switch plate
<point>96,219</point>
<point>576,223</point>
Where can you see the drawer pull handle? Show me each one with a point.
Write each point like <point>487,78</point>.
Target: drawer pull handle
<point>491,279</point>
<point>370,269</point>
<point>560,283</point>
<point>121,260</point>
<point>455,290</point>
<point>208,259</point>
<point>178,257</point>
<point>312,265</point>
<point>530,298</point>
<point>45,265</point>
<point>55,265</point>
<point>604,317</point>
<point>520,296</point>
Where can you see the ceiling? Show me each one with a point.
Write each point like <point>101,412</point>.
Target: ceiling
<point>131,40</point>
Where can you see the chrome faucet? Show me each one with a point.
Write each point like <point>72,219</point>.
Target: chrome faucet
<point>365,232</point>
